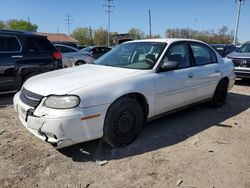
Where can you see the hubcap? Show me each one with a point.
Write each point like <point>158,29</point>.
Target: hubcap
<point>125,123</point>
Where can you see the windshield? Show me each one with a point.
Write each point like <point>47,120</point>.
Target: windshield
<point>135,55</point>
<point>245,48</point>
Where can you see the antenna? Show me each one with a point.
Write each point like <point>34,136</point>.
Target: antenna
<point>108,9</point>
<point>68,21</point>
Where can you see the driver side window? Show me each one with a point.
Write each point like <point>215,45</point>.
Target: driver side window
<point>179,53</point>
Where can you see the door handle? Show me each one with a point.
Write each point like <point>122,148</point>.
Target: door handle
<point>217,71</point>
<point>190,76</point>
<point>17,56</point>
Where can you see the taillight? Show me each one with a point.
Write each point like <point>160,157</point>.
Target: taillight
<point>57,55</point>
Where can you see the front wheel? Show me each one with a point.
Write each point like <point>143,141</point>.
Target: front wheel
<point>220,94</point>
<point>123,122</point>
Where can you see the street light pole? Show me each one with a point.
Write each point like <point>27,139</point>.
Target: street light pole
<point>237,22</point>
<point>109,7</point>
<point>150,27</point>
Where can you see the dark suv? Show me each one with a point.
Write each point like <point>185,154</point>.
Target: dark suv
<point>22,55</point>
<point>241,60</point>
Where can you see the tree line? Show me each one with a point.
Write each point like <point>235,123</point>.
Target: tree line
<point>18,25</point>
<point>89,36</point>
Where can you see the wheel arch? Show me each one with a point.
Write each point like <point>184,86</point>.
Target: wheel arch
<point>140,98</point>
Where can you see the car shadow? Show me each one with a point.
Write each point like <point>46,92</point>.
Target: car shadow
<point>169,130</point>
<point>6,100</point>
<point>243,82</point>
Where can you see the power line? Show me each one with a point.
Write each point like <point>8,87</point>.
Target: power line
<point>238,20</point>
<point>109,6</point>
<point>68,21</point>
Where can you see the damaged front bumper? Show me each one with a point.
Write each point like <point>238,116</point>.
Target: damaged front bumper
<point>62,128</point>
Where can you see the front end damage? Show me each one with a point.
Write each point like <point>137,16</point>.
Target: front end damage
<point>61,128</point>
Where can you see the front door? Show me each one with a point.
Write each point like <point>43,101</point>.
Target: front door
<point>175,88</point>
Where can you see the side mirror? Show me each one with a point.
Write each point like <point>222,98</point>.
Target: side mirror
<point>169,65</point>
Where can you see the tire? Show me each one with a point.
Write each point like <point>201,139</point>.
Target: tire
<point>123,123</point>
<point>80,63</point>
<point>220,94</point>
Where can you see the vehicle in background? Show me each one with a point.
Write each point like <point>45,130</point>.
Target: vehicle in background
<point>22,55</point>
<point>73,57</point>
<point>67,44</point>
<point>134,82</point>
<point>224,49</point>
<point>96,51</point>
<point>81,46</point>
<point>241,60</point>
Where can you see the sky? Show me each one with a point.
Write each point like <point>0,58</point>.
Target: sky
<point>50,15</point>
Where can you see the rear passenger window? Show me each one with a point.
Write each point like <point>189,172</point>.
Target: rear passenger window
<point>9,44</point>
<point>202,54</point>
<point>38,44</point>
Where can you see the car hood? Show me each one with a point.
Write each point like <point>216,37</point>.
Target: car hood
<point>238,55</point>
<point>64,81</point>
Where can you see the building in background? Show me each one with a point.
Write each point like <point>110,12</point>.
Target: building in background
<point>58,38</point>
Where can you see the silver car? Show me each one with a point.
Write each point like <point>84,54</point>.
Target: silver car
<point>241,60</point>
<point>73,57</point>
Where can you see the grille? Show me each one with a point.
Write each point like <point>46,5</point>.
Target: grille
<point>240,63</point>
<point>30,98</point>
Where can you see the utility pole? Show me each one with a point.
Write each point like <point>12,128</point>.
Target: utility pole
<point>150,21</point>
<point>238,20</point>
<point>68,21</point>
<point>109,6</point>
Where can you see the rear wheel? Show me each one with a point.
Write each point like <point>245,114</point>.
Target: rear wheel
<point>123,122</point>
<point>220,94</point>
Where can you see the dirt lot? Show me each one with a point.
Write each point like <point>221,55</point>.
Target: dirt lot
<point>199,147</point>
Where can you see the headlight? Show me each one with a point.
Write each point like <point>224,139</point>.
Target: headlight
<point>62,102</point>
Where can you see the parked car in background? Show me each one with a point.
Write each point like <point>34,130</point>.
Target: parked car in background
<point>73,57</point>
<point>134,82</point>
<point>241,60</point>
<point>67,44</point>
<point>22,55</point>
<point>224,49</point>
<point>96,51</point>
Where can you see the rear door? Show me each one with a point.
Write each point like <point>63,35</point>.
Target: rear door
<point>10,54</point>
<point>206,70</point>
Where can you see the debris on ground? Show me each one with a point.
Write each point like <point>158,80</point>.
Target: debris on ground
<point>179,182</point>
<point>101,163</point>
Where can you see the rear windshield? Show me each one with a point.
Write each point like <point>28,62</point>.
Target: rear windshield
<point>38,44</point>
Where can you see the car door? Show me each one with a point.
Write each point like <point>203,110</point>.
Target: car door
<point>175,88</point>
<point>206,70</point>
<point>10,49</point>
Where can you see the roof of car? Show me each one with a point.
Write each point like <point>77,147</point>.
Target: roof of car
<point>18,32</point>
<point>165,40</point>
<point>63,45</point>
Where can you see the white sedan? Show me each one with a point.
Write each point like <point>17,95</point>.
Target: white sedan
<point>134,82</point>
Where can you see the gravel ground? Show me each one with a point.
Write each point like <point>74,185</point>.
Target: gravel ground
<point>196,148</point>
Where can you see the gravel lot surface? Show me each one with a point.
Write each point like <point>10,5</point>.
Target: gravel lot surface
<point>201,147</point>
